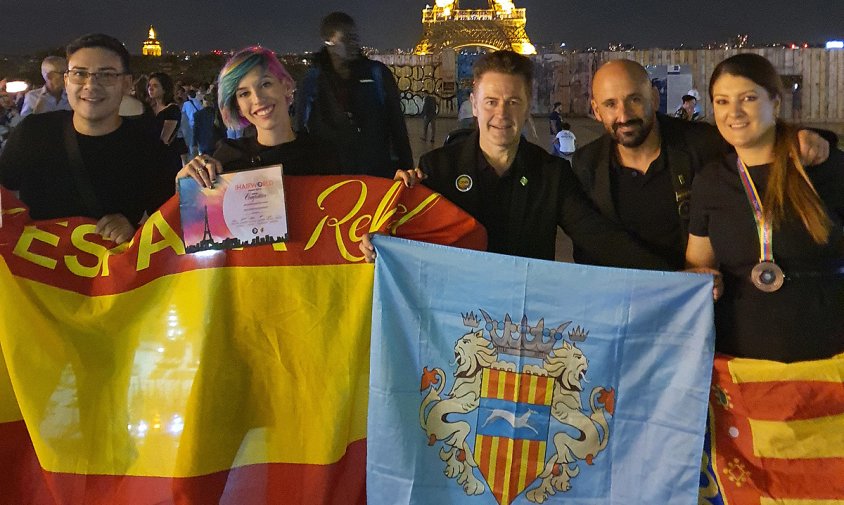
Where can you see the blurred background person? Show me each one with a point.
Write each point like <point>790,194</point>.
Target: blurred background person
<point>686,111</point>
<point>51,96</point>
<point>208,127</point>
<point>565,143</point>
<point>168,116</point>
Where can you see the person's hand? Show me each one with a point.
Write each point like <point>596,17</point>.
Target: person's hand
<point>410,177</point>
<point>814,149</point>
<point>115,227</point>
<point>203,169</point>
<point>717,279</point>
<point>367,249</point>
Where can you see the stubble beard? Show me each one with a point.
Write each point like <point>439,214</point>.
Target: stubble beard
<point>638,136</point>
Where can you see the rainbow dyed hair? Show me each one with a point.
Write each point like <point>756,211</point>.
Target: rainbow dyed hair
<point>233,71</point>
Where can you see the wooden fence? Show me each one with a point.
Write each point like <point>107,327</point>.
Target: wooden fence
<point>567,78</point>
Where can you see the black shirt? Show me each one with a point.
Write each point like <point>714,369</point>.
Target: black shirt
<point>303,156</point>
<point>804,319</point>
<point>494,190</point>
<point>129,170</point>
<point>642,201</point>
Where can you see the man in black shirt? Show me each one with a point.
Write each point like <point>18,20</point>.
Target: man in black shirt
<point>639,173</point>
<point>518,191</point>
<point>89,162</point>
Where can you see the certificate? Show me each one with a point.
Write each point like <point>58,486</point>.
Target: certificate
<point>242,209</point>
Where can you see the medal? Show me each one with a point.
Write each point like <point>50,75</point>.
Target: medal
<point>767,276</point>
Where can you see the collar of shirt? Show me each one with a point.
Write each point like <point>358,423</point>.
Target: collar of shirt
<point>656,167</point>
<point>55,104</point>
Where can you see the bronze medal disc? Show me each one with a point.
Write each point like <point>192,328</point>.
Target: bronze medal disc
<point>767,276</point>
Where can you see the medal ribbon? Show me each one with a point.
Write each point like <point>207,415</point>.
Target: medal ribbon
<point>763,226</point>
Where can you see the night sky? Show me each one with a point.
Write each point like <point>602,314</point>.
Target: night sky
<point>292,26</point>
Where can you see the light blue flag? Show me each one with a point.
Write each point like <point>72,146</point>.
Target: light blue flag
<point>498,379</point>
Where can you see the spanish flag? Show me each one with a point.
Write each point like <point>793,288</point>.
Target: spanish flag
<point>138,374</point>
<point>777,433</point>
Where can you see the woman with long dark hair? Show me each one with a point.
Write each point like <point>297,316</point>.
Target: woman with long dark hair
<point>771,225</point>
<point>167,113</point>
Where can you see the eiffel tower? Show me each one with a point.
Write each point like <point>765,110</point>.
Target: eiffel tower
<point>206,235</point>
<point>447,26</point>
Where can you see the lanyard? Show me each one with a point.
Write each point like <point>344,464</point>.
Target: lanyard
<point>763,225</point>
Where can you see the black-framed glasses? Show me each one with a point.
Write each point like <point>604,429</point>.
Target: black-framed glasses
<point>106,78</point>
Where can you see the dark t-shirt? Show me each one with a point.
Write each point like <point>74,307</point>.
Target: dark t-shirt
<point>556,122</point>
<point>805,318</point>
<point>129,170</point>
<point>303,156</point>
<point>172,113</point>
<point>647,207</point>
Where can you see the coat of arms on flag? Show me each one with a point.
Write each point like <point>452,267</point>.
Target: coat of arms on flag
<point>501,380</point>
<point>518,378</point>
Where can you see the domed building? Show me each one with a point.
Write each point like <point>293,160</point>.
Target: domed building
<point>151,47</point>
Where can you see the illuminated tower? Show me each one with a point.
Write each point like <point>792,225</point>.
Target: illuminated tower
<point>446,25</point>
<point>152,47</point>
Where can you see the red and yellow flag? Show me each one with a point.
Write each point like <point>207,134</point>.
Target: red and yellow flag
<point>141,375</point>
<point>778,431</point>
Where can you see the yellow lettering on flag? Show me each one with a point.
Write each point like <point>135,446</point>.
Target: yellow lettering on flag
<point>147,247</point>
<point>29,235</point>
<point>821,437</point>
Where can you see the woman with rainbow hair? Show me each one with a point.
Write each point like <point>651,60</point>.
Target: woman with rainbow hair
<point>255,88</point>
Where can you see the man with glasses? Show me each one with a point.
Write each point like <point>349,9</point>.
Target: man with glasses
<point>52,95</point>
<point>89,162</point>
<point>352,103</point>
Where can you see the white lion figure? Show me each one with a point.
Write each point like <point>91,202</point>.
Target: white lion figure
<point>472,354</point>
<point>568,366</point>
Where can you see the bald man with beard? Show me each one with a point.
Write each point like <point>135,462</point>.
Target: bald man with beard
<point>639,173</point>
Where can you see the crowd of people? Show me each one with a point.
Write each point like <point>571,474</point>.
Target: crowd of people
<point>751,200</point>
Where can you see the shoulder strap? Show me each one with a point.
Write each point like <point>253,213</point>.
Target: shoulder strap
<point>681,177</point>
<point>77,170</point>
<point>379,82</point>
<point>309,87</point>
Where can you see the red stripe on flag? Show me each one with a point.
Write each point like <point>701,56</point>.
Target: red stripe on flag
<point>534,461</point>
<point>524,395</point>
<point>818,479</point>
<point>515,465</point>
<point>493,384</point>
<point>795,400</point>
<point>23,481</point>
<point>505,447</point>
<point>509,386</point>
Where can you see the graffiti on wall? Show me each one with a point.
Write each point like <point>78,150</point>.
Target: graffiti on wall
<point>413,80</point>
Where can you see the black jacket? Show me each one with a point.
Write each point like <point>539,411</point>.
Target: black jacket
<point>688,145</point>
<point>545,195</point>
<point>372,138</point>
